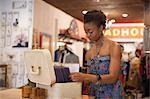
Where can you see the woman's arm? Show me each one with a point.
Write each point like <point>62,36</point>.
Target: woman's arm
<point>113,69</point>
<point>115,59</point>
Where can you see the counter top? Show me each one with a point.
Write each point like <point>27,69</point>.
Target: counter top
<point>17,94</point>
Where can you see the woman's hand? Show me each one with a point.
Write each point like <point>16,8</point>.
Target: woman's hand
<point>79,77</point>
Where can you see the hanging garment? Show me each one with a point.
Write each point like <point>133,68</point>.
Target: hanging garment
<point>127,70</point>
<point>147,38</point>
<point>145,77</point>
<point>143,68</point>
<point>57,55</point>
<point>61,57</point>
<point>147,67</point>
<point>71,58</point>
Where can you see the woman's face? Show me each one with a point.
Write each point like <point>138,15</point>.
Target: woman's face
<point>92,31</point>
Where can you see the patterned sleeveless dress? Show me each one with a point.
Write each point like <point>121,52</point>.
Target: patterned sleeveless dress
<point>100,65</point>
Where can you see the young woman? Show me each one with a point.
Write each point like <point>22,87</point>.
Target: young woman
<point>103,59</point>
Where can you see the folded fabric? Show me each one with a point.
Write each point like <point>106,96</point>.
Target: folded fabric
<point>62,74</point>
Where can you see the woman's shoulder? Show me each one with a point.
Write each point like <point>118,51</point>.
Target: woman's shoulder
<point>112,43</point>
<point>113,46</point>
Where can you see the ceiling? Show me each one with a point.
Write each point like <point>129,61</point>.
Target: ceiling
<point>114,8</point>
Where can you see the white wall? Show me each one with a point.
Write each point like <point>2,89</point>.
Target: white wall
<point>9,11</point>
<point>12,13</point>
<point>49,19</point>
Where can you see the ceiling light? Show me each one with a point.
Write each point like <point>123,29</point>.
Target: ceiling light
<point>124,15</point>
<point>113,20</point>
<point>84,12</point>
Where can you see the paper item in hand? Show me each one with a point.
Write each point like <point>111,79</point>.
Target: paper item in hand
<point>72,67</point>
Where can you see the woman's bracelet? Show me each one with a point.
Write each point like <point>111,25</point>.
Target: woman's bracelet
<point>98,77</point>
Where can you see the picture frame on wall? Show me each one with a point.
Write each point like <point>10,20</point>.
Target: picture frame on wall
<point>21,40</point>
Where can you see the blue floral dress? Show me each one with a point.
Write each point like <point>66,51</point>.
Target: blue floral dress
<point>100,65</point>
